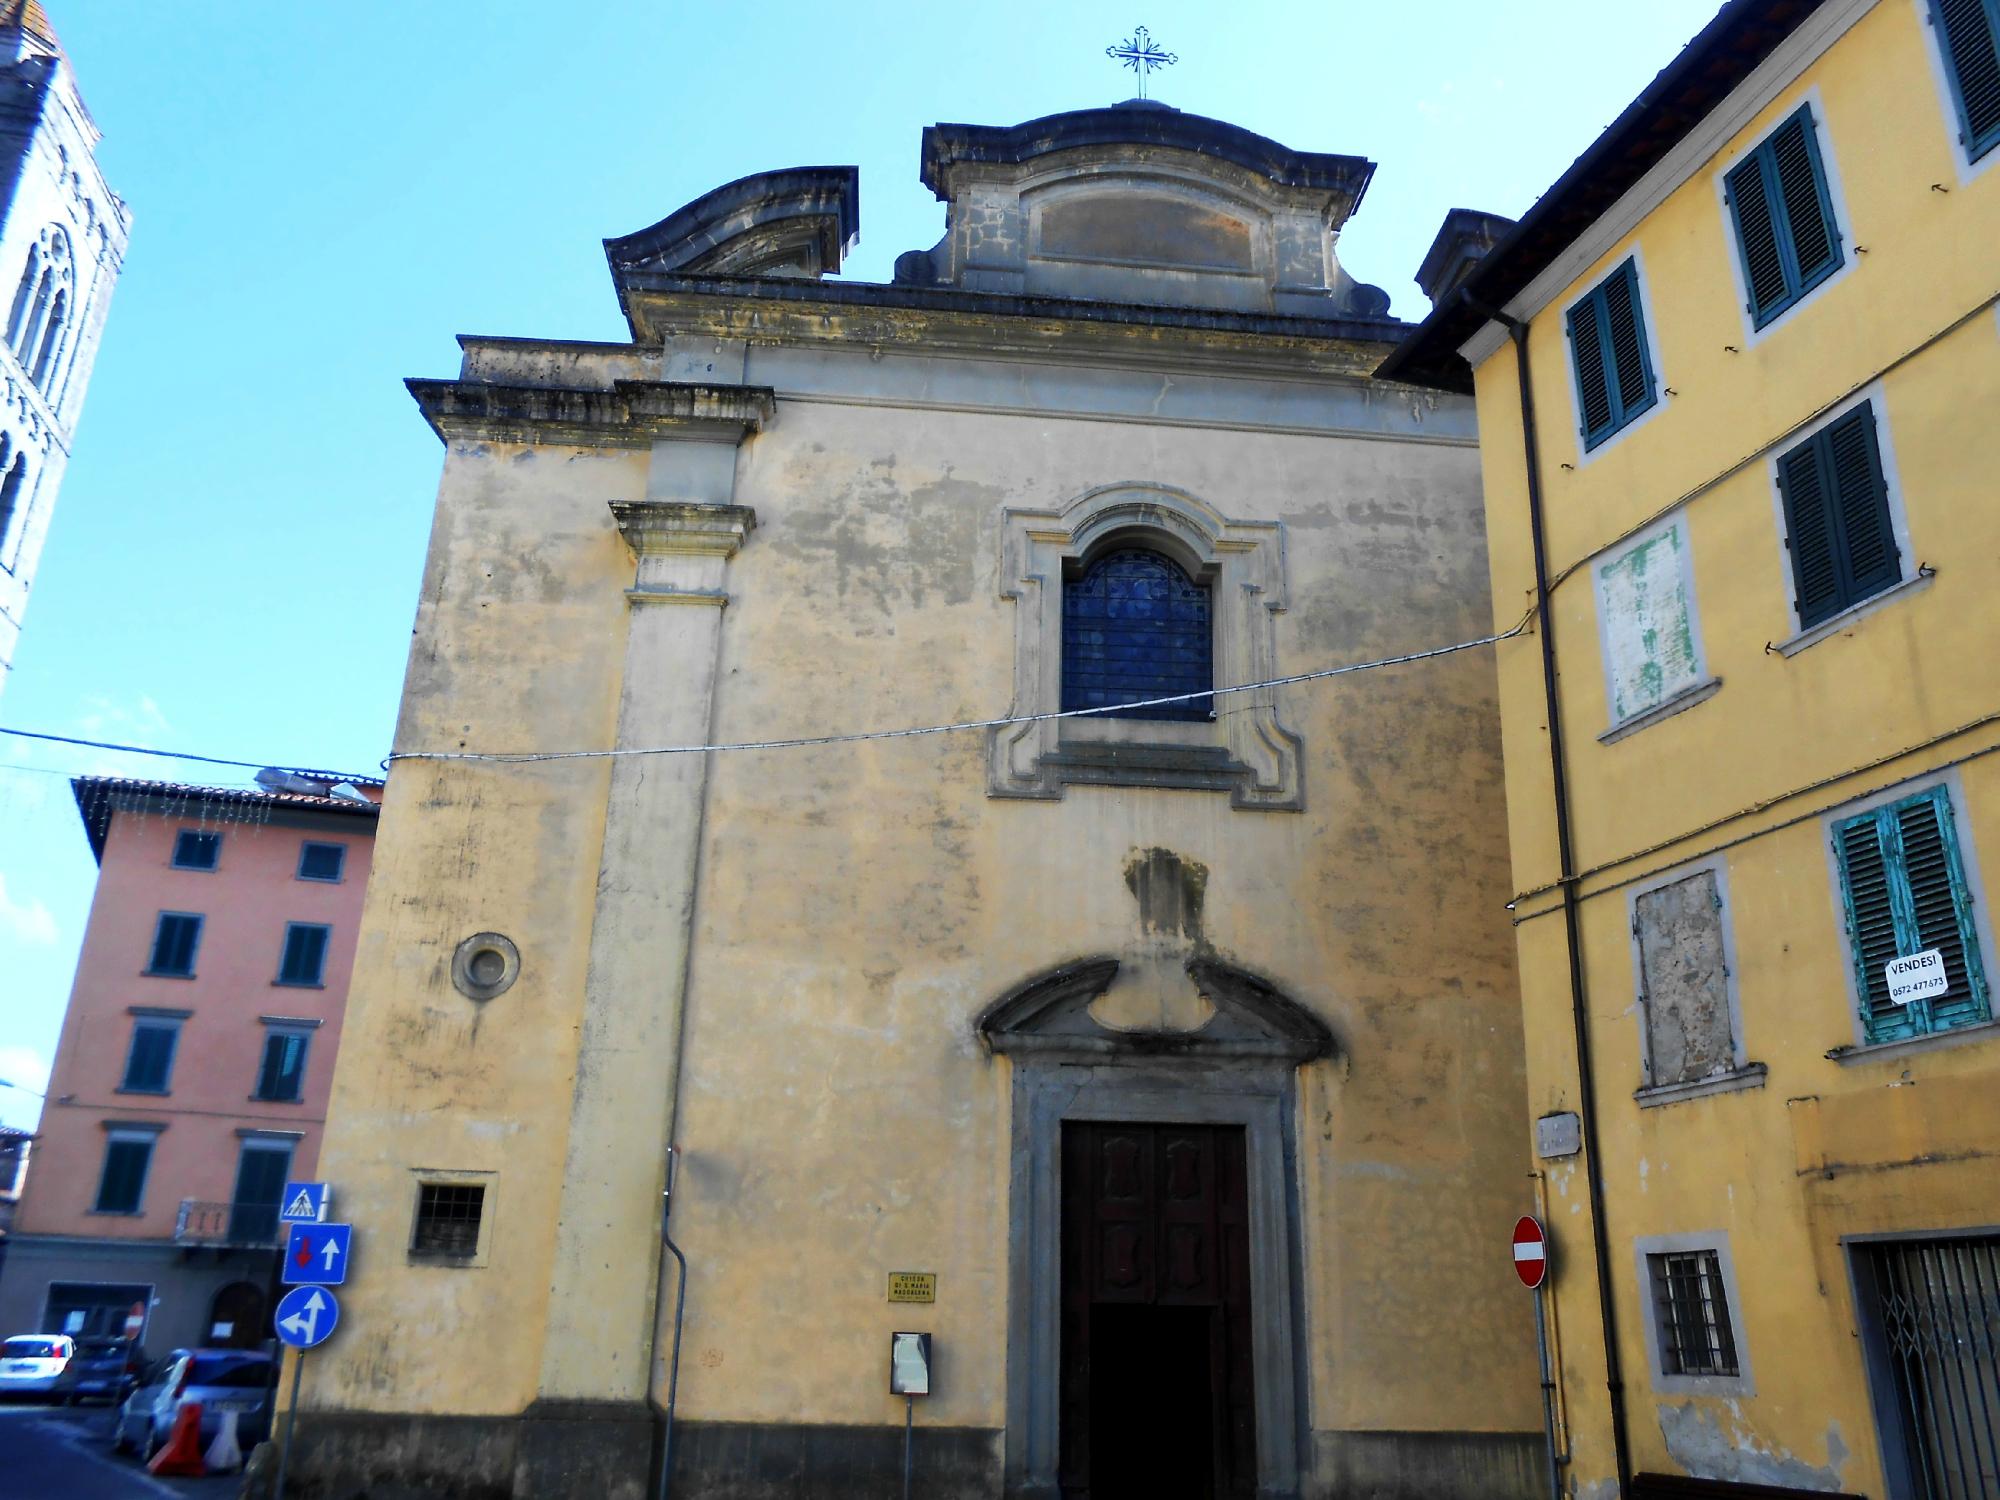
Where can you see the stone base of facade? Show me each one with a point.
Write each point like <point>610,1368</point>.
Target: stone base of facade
<point>1430,1466</point>
<point>591,1451</point>
<point>179,1283</point>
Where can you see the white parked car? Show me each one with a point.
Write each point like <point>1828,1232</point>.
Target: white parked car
<point>32,1363</point>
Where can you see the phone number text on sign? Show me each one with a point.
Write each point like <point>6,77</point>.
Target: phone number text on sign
<point>1919,976</point>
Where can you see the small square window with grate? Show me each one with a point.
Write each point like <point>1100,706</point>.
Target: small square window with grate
<point>1692,1313</point>
<point>448,1219</point>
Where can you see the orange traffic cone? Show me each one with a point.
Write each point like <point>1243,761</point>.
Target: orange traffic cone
<point>182,1455</point>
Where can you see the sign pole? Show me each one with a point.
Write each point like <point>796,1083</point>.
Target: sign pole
<point>291,1422</point>
<point>909,1433</point>
<point>1548,1390</point>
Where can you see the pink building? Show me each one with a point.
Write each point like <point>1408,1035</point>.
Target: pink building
<point>191,1078</point>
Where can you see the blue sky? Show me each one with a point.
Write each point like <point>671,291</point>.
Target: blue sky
<point>325,195</point>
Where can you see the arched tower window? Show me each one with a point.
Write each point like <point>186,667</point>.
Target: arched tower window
<point>13,479</point>
<point>38,327</point>
<point>1136,626</point>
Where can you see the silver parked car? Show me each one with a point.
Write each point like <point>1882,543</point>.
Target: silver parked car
<point>31,1364</point>
<point>222,1380</point>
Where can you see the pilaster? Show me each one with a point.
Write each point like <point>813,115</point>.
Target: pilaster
<point>599,1344</point>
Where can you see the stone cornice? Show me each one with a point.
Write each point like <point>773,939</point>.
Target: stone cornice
<point>631,414</point>
<point>659,528</point>
<point>984,325</point>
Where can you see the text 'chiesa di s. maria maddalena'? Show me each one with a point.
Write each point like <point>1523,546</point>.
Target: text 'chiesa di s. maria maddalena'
<point>1180,1046</point>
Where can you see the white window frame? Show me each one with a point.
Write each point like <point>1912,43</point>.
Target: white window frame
<point>1742,1383</point>
<point>1947,98</point>
<point>1843,220</point>
<point>1633,252</point>
<point>1705,683</point>
<point>1899,524</point>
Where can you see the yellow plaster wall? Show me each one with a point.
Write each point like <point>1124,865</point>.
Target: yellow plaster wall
<point>1914,319</point>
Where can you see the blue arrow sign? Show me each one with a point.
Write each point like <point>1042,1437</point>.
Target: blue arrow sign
<point>316,1255</point>
<point>303,1203</point>
<point>306,1315</point>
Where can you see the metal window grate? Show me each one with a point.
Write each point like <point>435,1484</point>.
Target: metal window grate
<point>448,1218</point>
<point>1936,1326</point>
<point>1692,1314</point>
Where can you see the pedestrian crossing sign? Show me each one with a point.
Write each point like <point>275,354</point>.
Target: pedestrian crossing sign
<point>303,1203</point>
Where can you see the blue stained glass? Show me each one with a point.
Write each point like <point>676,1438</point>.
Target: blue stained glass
<point>1136,627</point>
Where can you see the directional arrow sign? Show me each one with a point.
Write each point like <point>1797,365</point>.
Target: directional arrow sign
<point>303,1203</point>
<point>306,1315</point>
<point>316,1255</point>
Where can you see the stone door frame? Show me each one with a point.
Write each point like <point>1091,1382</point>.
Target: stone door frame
<point>1238,1070</point>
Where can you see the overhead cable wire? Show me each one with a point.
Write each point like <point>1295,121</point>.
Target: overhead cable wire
<point>207,760</point>
<point>799,742</point>
<point>519,757</point>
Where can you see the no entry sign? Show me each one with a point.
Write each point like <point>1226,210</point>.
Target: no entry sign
<point>1531,1252</point>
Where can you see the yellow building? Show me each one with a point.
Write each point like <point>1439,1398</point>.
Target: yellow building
<point>1169,1059</point>
<point>1738,375</point>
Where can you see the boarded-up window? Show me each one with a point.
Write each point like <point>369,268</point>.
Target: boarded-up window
<point>1645,601</point>
<point>1684,980</point>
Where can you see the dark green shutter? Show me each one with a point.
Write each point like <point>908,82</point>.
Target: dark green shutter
<point>124,1180</point>
<point>1757,236</point>
<point>151,1061</point>
<point>260,1183</point>
<point>1784,218</point>
<point>1837,521</point>
<point>1970,30</point>
<point>1905,893</point>
<point>1614,369</point>
<point>1593,391</point>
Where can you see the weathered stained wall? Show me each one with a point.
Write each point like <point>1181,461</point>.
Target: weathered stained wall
<point>859,905</point>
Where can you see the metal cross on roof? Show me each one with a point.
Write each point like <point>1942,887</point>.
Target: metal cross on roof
<point>1139,53</point>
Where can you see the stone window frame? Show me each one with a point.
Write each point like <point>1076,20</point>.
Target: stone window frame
<point>1744,1073</point>
<point>1704,684</point>
<point>1246,750</point>
<point>1743,1383</point>
<point>486,1179</point>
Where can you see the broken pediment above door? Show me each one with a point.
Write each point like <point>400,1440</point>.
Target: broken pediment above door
<point>1052,1014</point>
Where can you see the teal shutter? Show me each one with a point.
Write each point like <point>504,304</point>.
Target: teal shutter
<point>1905,892</point>
<point>1783,212</point>
<point>1837,522</point>
<point>1941,907</point>
<point>1608,352</point>
<point>123,1184</point>
<point>1970,32</point>
<point>1871,927</point>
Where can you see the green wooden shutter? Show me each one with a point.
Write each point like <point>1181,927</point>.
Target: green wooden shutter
<point>1870,560</point>
<point>1871,926</point>
<point>1970,30</point>
<point>1593,389</point>
<point>1757,237</point>
<point>119,1191</point>
<point>1905,893</point>
<point>1811,242</point>
<point>1941,907</point>
<point>1809,534</point>
<point>1837,522</point>
<point>1631,369</point>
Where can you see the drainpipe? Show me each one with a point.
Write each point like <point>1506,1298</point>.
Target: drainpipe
<point>1586,1086</point>
<point>665,1485</point>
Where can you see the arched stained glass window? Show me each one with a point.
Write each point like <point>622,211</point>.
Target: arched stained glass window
<point>1134,627</point>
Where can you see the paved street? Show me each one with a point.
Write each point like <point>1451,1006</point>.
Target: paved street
<point>58,1453</point>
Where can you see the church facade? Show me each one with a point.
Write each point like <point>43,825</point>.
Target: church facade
<point>1161,1065</point>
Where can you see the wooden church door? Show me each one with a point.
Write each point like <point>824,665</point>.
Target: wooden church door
<point>1156,1398</point>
